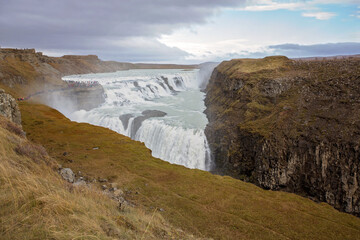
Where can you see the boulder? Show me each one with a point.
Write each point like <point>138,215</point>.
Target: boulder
<point>9,107</point>
<point>67,174</point>
<point>118,193</point>
<point>80,183</point>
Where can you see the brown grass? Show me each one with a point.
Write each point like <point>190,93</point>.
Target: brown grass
<point>35,203</point>
<point>30,150</point>
<point>11,127</point>
<point>198,202</point>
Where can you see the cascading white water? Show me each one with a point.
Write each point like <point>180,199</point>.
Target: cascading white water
<point>162,108</point>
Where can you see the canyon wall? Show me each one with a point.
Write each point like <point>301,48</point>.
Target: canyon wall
<point>289,125</point>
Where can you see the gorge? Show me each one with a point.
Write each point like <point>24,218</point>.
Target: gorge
<point>187,203</point>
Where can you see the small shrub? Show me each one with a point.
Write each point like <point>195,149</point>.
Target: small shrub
<point>11,127</point>
<point>14,128</point>
<point>33,151</point>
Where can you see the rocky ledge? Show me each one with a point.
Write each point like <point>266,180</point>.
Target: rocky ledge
<point>291,125</point>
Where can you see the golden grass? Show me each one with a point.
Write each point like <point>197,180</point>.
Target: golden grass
<point>237,67</point>
<point>196,201</point>
<point>35,203</point>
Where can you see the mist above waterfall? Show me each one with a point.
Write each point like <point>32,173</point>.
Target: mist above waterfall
<point>204,73</point>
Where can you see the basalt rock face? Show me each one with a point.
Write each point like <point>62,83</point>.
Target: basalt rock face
<point>9,108</point>
<point>289,125</point>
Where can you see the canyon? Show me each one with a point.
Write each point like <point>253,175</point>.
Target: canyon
<point>252,106</point>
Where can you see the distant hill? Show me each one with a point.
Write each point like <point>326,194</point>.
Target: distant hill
<point>23,71</point>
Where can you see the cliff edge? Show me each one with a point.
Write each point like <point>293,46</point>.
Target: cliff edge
<point>289,125</point>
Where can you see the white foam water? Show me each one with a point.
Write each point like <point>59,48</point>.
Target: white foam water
<point>162,108</point>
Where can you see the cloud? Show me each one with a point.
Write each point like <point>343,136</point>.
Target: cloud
<point>319,15</point>
<point>328,49</point>
<point>356,14</point>
<point>313,5</point>
<point>336,1</point>
<point>273,5</point>
<point>107,27</point>
<point>289,50</point>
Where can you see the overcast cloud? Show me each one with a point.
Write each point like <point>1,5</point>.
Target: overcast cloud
<point>136,30</point>
<point>296,50</point>
<point>110,28</point>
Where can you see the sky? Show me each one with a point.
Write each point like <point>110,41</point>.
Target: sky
<point>182,31</point>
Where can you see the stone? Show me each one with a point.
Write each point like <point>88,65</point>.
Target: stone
<point>9,107</point>
<point>67,174</point>
<point>80,183</point>
<point>145,115</point>
<point>118,193</point>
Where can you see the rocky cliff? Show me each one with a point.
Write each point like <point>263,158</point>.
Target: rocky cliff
<point>9,108</point>
<point>289,125</point>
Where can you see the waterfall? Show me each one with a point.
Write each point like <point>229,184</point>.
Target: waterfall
<point>162,108</point>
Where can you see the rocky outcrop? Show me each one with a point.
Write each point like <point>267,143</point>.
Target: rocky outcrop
<point>289,125</point>
<point>9,108</point>
<point>145,115</point>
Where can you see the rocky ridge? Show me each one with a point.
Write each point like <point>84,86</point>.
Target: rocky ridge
<point>289,125</point>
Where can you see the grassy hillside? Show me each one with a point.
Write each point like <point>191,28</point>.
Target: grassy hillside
<point>195,201</point>
<point>35,203</point>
